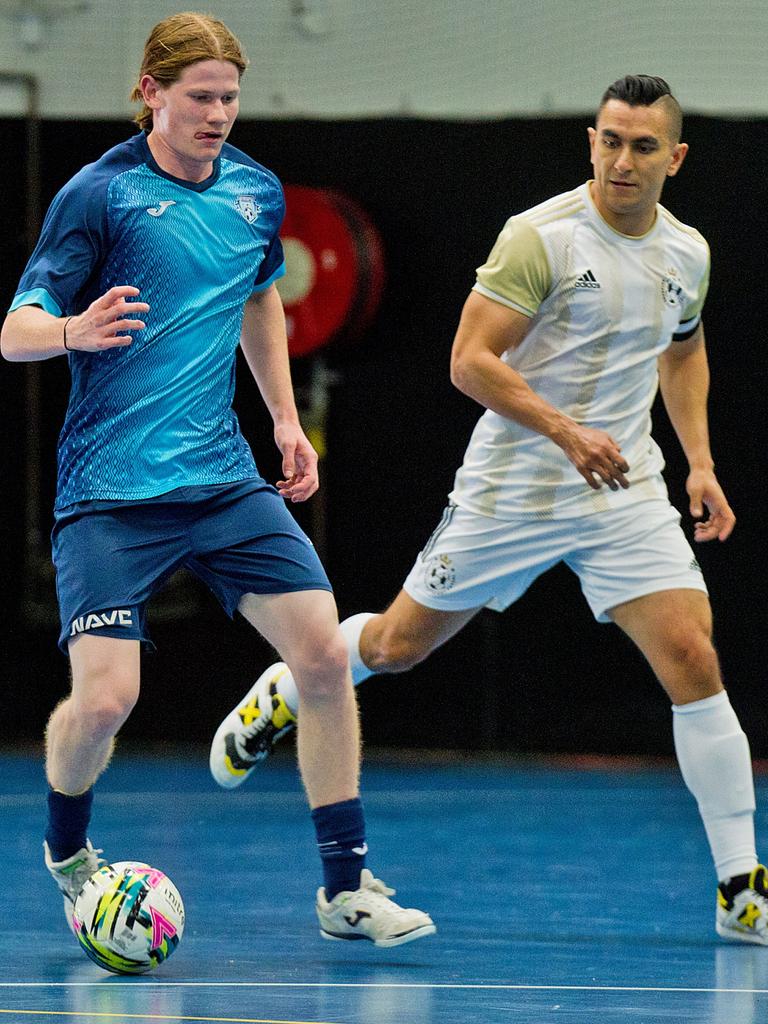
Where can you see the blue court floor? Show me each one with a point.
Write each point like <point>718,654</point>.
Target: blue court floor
<point>576,896</point>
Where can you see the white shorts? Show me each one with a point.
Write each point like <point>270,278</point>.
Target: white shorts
<point>471,561</point>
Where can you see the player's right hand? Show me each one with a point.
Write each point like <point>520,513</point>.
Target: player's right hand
<point>99,327</point>
<point>597,457</point>
<point>299,463</point>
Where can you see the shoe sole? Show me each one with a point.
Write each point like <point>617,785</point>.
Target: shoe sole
<point>732,935</point>
<point>227,778</point>
<point>395,940</point>
<point>231,778</point>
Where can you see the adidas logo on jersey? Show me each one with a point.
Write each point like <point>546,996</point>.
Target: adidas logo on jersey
<point>587,280</point>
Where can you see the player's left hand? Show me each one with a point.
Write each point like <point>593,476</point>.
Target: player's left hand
<point>299,463</point>
<point>707,498</point>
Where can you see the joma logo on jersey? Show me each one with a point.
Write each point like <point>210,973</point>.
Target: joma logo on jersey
<point>97,620</point>
<point>162,206</point>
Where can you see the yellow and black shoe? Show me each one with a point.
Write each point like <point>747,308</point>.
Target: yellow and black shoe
<point>742,907</point>
<point>250,731</point>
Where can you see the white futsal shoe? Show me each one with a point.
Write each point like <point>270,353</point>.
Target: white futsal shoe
<point>250,731</point>
<point>368,913</point>
<point>742,915</point>
<point>71,874</point>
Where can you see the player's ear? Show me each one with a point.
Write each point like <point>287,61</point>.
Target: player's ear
<point>592,136</point>
<point>150,91</point>
<point>676,160</point>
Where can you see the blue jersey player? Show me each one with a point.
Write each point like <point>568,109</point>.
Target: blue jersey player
<point>153,265</point>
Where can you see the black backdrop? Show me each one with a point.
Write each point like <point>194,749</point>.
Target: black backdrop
<point>543,676</point>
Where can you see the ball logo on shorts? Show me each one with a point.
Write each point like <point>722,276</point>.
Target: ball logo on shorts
<point>439,574</point>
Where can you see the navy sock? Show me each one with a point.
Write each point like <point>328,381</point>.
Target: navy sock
<point>68,820</point>
<point>340,830</point>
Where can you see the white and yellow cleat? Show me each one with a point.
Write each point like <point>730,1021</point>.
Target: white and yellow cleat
<point>742,908</point>
<point>248,733</point>
<point>369,913</point>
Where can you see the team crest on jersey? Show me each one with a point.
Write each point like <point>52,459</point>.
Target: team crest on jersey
<point>671,289</point>
<point>248,207</point>
<point>439,574</point>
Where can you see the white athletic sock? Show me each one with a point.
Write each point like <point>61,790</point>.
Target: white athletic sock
<point>351,629</point>
<point>713,754</point>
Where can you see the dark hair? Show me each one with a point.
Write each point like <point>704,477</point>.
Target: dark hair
<point>644,91</point>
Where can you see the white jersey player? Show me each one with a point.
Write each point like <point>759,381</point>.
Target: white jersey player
<point>587,304</point>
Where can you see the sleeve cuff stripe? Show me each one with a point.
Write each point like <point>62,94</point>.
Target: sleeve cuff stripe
<point>260,286</point>
<point>36,297</point>
<point>686,329</point>
<point>477,287</point>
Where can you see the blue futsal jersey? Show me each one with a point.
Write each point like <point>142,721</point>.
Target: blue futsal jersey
<point>156,415</point>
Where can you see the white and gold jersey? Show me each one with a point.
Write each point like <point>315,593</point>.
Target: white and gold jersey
<point>603,307</point>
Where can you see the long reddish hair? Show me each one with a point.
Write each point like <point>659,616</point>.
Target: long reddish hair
<point>179,41</point>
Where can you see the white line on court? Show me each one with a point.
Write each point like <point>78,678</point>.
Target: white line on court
<point>377,985</point>
<point>154,1016</point>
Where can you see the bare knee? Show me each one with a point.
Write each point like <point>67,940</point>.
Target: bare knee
<point>386,647</point>
<point>693,651</point>
<point>693,671</point>
<point>102,699</point>
<point>321,669</point>
<point>105,687</point>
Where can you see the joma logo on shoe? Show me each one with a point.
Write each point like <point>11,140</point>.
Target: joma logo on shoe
<point>97,620</point>
<point>353,922</point>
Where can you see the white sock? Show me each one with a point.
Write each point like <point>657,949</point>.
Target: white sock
<point>713,754</point>
<point>351,629</point>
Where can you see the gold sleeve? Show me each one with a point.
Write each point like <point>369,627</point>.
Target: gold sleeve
<point>517,272</point>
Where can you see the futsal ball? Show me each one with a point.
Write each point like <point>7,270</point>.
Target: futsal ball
<point>128,917</point>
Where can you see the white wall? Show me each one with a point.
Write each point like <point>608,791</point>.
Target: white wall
<point>444,58</point>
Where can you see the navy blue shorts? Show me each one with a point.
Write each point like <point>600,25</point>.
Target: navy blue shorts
<point>111,557</point>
